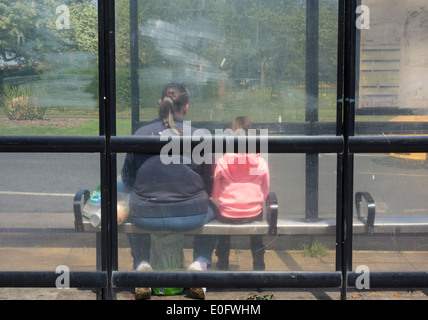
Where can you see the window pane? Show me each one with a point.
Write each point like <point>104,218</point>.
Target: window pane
<point>392,64</point>
<point>36,216</point>
<point>231,56</point>
<point>49,68</point>
<point>392,101</point>
<point>242,59</point>
<point>398,187</point>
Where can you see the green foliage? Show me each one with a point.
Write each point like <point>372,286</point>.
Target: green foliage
<point>84,26</point>
<point>19,105</point>
<point>263,41</point>
<point>314,249</point>
<point>18,18</point>
<point>123,89</point>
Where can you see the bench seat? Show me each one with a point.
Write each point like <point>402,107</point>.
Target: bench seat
<point>410,224</point>
<point>284,227</point>
<point>364,221</point>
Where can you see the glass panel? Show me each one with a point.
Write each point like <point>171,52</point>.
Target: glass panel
<point>231,56</point>
<point>240,58</point>
<point>36,216</point>
<point>393,59</point>
<point>398,187</point>
<point>48,68</point>
<point>48,86</point>
<point>392,101</point>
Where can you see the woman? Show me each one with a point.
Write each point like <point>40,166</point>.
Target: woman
<point>172,197</point>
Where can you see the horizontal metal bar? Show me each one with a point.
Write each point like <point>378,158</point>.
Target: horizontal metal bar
<point>271,144</point>
<point>242,279</point>
<point>220,144</point>
<point>405,279</point>
<point>227,279</point>
<point>81,144</point>
<point>387,144</point>
<point>48,279</point>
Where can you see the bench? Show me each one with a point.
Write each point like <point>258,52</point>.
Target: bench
<point>271,225</point>
<point>365,221</point>
<point>214,227</point>
<point>390,224</point>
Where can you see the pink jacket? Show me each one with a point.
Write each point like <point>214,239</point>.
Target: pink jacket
<point>241,185</point>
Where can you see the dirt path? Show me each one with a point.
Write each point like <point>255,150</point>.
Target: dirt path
<point>55,122</point>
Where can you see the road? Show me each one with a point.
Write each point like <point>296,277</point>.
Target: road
<point>46,183</point>
<point>37,190</point>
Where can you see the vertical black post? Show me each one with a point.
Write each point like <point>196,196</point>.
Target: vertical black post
<point>102,238</point>
<point>107,118</point>
<point>311,114</point>
<point>135,87</point>
<point>339,132</point>
<point>348,130</point>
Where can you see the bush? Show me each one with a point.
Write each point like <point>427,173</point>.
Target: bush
<point>314,249</point>
<point>19,105</point>
<point>123,89</point>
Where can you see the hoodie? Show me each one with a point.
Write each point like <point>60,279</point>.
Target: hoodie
<point>241,185</point>
<point>165,191</point>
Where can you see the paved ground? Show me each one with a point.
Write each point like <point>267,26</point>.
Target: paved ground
<point>291,260</point>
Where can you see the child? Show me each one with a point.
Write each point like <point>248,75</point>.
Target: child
<point>241,186</point>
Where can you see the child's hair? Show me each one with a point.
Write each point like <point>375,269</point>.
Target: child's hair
<point>175,97</point>
<point>243,123</point>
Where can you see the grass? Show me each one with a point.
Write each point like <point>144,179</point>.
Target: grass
<point>259,104</point>
<point>89,127</point>
<point>314,249</point>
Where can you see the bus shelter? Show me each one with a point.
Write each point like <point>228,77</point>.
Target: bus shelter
<point>336,89</point>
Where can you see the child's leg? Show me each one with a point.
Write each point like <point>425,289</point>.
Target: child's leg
<point>258,251</point>
<point>222,252</point>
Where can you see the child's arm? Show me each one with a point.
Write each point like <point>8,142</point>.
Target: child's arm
<point>215,194</point>
<point>266,184</point>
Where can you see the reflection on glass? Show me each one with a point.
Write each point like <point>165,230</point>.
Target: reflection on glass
<point>48,67</point>
<point>398,188</point>
<point>392,98</point>
<point>393,58</point>
<point>238,59</point>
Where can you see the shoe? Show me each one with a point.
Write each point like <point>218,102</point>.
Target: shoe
<point>198,293</point>
<point>197,266</point>
<point>143,293</point>
<point>144,266</point>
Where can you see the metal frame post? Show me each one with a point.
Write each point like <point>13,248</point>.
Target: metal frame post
<point>348,131</point>
<point>107,118</point>
<point>311,113</point>
<point>339,132</point>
